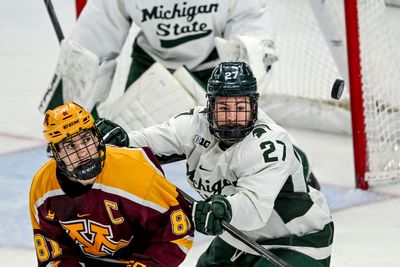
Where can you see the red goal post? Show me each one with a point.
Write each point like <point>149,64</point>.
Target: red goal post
<point>79,4</point>
<point>374,68</point>
<point>356,95</point>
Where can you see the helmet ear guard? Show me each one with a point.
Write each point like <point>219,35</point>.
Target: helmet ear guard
<point>232,80</point>
<point>74,141</point>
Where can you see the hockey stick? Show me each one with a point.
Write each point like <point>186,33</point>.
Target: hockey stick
<point>245,239</point>
<point>54,20</point>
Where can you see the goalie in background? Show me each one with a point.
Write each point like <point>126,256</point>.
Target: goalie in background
<point>249,172</point>
<point>98,205</point>
<point>187,38</point>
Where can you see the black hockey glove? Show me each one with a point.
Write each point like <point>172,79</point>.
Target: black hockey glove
<point>112,133</point>
<point>208,214</point>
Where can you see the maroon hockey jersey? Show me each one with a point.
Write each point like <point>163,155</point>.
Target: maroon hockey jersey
<point>131,215</point>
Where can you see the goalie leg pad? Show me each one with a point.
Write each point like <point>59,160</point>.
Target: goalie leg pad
<point>153,98</point>
<point>85,78</point>
<point>190,84</point>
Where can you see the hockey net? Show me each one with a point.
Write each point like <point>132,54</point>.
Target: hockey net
<point>311,44</point>
<point>380,73</point>
<point>310,41</point>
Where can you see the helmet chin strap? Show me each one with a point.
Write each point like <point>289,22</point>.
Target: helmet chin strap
<point>89,170</point>
<point>231,134</point>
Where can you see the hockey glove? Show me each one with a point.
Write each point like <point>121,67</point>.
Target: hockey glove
<point>208,214</point>
<point>112,133</point>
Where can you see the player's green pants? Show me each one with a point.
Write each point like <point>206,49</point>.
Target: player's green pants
<point>220,253</point>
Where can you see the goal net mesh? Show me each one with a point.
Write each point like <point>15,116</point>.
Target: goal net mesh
<point>381,91</point>
<point>307,69</point>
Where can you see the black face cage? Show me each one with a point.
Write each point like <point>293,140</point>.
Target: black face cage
<point>231,131</point>
<point>87,166</point>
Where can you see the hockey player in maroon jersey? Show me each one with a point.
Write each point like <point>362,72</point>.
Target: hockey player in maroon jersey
<point>97,205</point>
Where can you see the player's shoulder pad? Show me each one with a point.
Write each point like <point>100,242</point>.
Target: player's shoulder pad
<point>189,121</point>
<point>150,155</point>
<point>134,171</point>
<point>44,181</point>
<point>262,139</point>
<point>263,148</point>
<point>268,131</point>
<point>193,111</point>
<point>141,155</point>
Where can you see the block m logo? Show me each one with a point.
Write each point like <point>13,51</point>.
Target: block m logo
<point>93,238</point>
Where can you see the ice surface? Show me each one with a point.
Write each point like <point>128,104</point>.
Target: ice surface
<point>367,224</point>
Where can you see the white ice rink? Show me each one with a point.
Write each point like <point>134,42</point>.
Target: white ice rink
<point>367,224</point>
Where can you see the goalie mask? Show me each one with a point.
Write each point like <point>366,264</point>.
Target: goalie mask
<point>74,141</point>
<point>232,101</point>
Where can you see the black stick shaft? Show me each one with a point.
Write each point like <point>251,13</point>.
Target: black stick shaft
<point>54,20</point>
<point>250,242</point>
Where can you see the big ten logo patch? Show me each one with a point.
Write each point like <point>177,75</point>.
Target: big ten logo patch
<point>201,141</point>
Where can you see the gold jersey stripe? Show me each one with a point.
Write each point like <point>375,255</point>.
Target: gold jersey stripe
<point>185,243</point>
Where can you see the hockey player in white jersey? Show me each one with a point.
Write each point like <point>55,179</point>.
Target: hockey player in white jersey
<point>185,37</point>
<point>248,171</point>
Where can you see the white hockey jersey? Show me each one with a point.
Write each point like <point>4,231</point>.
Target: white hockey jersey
<point>174,33</point>
<point>262,177</point>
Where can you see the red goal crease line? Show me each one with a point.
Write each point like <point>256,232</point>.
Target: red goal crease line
<point>36,143</point>
<point>20,137</point>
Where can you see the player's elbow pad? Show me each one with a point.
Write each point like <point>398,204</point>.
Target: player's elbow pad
<point>85,78</point>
